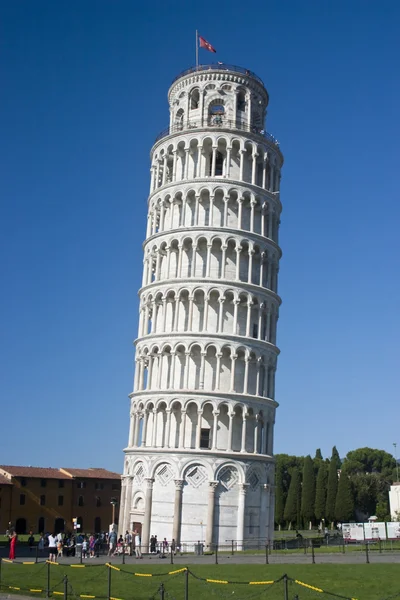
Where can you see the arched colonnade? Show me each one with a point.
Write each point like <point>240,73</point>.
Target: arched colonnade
<point>208,310</point>
<point>213,368</point>
<point>214,257</point>
<point>200,425</point>
<point>211,207</point>
<point>215,155</point>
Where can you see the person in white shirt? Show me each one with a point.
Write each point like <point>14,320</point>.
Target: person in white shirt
<point>52,548</point>
<point>138,551</point>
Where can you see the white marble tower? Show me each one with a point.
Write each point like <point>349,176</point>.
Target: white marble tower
<point>199,462</point>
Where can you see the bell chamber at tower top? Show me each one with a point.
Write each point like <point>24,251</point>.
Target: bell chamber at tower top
<point>217,129</point>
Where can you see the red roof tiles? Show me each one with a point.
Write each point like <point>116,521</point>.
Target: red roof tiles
<point>41,472</point>
<point>91,473</point>
<point>5,481</point>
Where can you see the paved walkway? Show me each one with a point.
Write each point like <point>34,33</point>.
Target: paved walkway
<point>240,559</point>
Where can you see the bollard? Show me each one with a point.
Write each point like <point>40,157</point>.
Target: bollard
<point>65,587</point>
<point>123,555</point>
<point>266,554</point>
<point>285,587</point>
<point>233,551</point>
<point>312,554</point>
<point>162,590</point>
<point>366,554</point>
<point>48,580</point>
<point>187,584</point>
<point>37,554</point>
<point>216,554</point>
<point>380,546</point>
<point>109,582</point>
<point>171,555</point>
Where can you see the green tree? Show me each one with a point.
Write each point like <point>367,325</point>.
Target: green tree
<point>371,473</point>
<point>308,491</point>
<point>318,454</point>
<point>336,457</point>
<point>332,485</point>
<point>279,493</point>
<point>320,492</point>
<point>344,505</point>
<point>370,460</point>
<point>292,506</point>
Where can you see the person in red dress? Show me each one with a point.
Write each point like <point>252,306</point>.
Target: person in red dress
<point>13,543</point>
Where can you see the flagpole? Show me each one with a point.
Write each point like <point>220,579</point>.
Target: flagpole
<point>197,49</point>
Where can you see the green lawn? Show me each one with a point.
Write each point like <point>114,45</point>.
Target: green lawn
<point>364,582</point>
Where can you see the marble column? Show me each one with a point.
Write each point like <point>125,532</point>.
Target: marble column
<point>210,513</point>
<point>147,514</point>
<point>241,514</point>
<point>176,527</point>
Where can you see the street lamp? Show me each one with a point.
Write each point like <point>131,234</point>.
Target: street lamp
<point>113,504</point>
<point>397,464</point>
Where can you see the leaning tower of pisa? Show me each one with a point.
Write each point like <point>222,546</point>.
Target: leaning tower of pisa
<point>199,462</point>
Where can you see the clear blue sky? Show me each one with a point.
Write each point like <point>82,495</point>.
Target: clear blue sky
<point>84,93</point>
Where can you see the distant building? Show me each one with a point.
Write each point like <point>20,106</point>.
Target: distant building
<point>394,500</point>
<point>46,499</point>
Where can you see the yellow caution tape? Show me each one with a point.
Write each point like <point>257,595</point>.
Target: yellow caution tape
<point>114,598</point>
<point>261,582</point>
<point>13,588</point>
<point>78,566</point>
<point>59,593</point>
<point>29,562</point>
<point>32,590</point>
<point>143,574</point>
<point>216,581</point>
<point>112,567</point>
<point>7,560</point>
<point>310,587</point>
<point>86,596</point>
<point>50,562</point>
<point>178,571</point>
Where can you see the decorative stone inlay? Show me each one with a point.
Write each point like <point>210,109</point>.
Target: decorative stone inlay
<point>254,480</point>
<point>228,478</point>
<point>164,474</point>
<point>196,476</point>
<point>139,473</point>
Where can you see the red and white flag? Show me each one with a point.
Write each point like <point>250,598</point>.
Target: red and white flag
<point>206,45</point>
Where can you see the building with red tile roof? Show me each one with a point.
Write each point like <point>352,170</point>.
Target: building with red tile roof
<point>45,499</point>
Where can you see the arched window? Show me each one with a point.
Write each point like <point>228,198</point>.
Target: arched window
<point>219,163</point>
<point>179,119</point>
<point>20,526</point>
<point>41,525</point>
<point>80,501</point>
<point>194,99</point>
<point>97,525</point>
<point>241,101</point>
<point>59,525</point>
<point>216,112</point>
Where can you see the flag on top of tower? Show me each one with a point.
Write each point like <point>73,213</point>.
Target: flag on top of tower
<point>206,45</point>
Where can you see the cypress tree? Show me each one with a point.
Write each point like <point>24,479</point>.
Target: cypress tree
<point>292,506</point>
<point>336,457</point>
<point>318,454</point>
<point>344,506</point>
<point>331,490</point>
<point>279,494</point>
<point>308,491</point>
<point>320,492</point>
